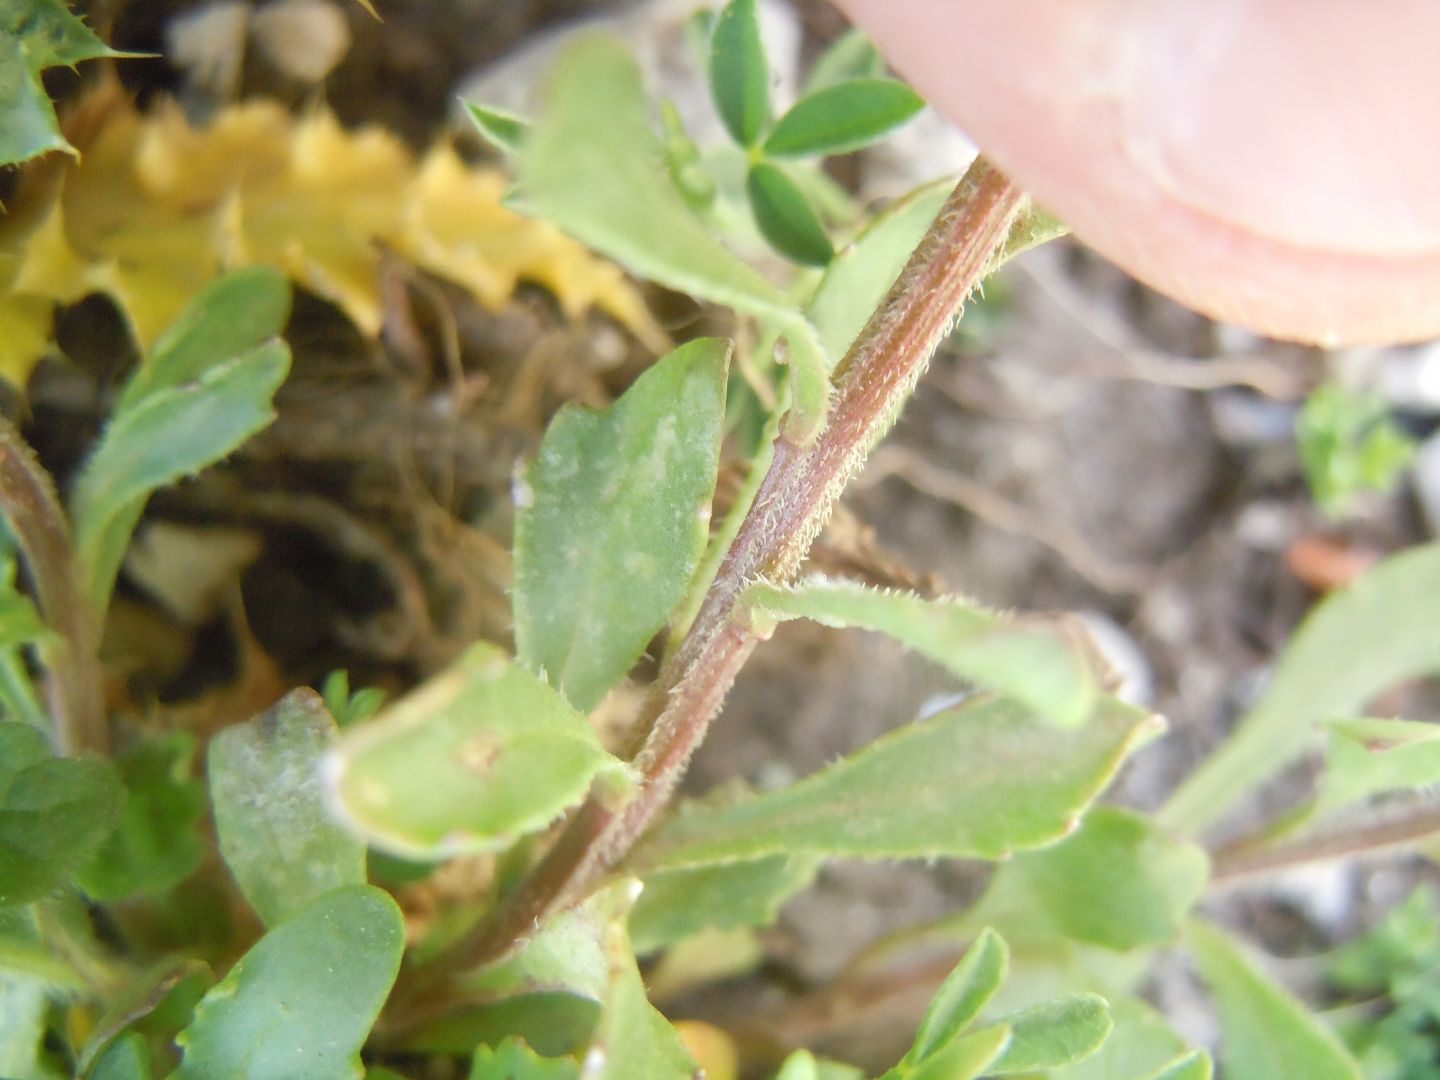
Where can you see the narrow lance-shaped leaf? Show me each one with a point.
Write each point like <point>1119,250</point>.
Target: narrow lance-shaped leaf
<point>739,72</point>
<point>785,217</point>
<point>1054,1033</point>
<point>966,991</point>
<point>1356,643</point>
<point>981,780</point>
<point>1141,1046</point>
<point>1118,881</point>
<point>844,117</point>
<point>1267,1034</point>
<point>478,756</point>
<point>301,1001</point>
<point>1046,663</point>
<point>850,56</point>
<point>54,812</point>
<point>209,388</point>
<point>612,521</point>
<point>277,835</point>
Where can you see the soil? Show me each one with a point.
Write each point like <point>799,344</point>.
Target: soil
<point>1091,447</point>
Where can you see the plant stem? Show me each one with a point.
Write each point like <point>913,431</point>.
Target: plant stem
<point>1247,860</point>
<point>74,690</point>
<point>793,502</point>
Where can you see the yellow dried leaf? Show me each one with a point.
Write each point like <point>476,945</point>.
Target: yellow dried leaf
<point>155,208</point>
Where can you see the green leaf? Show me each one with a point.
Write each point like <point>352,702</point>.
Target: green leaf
<point>567,953</point>
<point>1065,1029</point>
<point>1348,444</point>
<point>1045,663</point>
<point>633,1040</point>
<point>963,994</point>
<point>127,1058</point>
<point>1117,881</point>
<point>1196,1065</point>
<point>35,35</point>
<point>20,623</point>
<point>23,1010</point>
<point>206,390</point>
<point>594,166</point>
<point>963,1058</point>
<point>54,812</point>
<point>844,117</point>
<point>139,998</point>
<point>1267,1034</point>
<point>301,1001</point>
<point>276,832</point>
<point>501,129</point>
<point>861,273</point>
<point>155,845</point>
<point>1356,643</point>
<point>1032,227</point>
<point>478,756</point>
<point>1140,1044</point>
<point>981,780</point>
<point>739,72</point>
<point>785,217</point>
<point>1371,756</point>
<point>513,1060</point>
<point>612,522</point>
<point>231,316</point>
<point>850,56</point>
<point>679,903</point>
<point>554,1023</point>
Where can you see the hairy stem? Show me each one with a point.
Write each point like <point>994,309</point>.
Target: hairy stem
<point>74,689</point>
<point>793,502</point>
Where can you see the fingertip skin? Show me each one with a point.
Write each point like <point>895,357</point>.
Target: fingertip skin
<point>1271,163</point>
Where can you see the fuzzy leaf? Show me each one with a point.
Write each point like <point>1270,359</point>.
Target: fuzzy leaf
<point>739,72</point>
<point>633,1040</point>
<point>155,845</point>
<point>593,166</point>
<point>1371,756</point>
<point>301,1001</point>
<point>785,216</point>
<point>1046,664</point>
<point>478,756</point>
<point>613,519</point>
<point>501,129</point>
<point>513,1060</point>
<point>1117,881</point>
<point>1267,1034</point>
<point>1356,643</point>
<point>963,994</point>
<point>54,812</point>
<point>679,903</point>
<point>980,780</point>
<point>844,117</point>
<point>1054,1033</point>
<point>850,56</point>
<point>276,832</point>
<point>1140,1045</point>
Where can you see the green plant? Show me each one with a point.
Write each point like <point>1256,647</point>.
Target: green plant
<point>1349,445</point>
<point>108,969</point>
